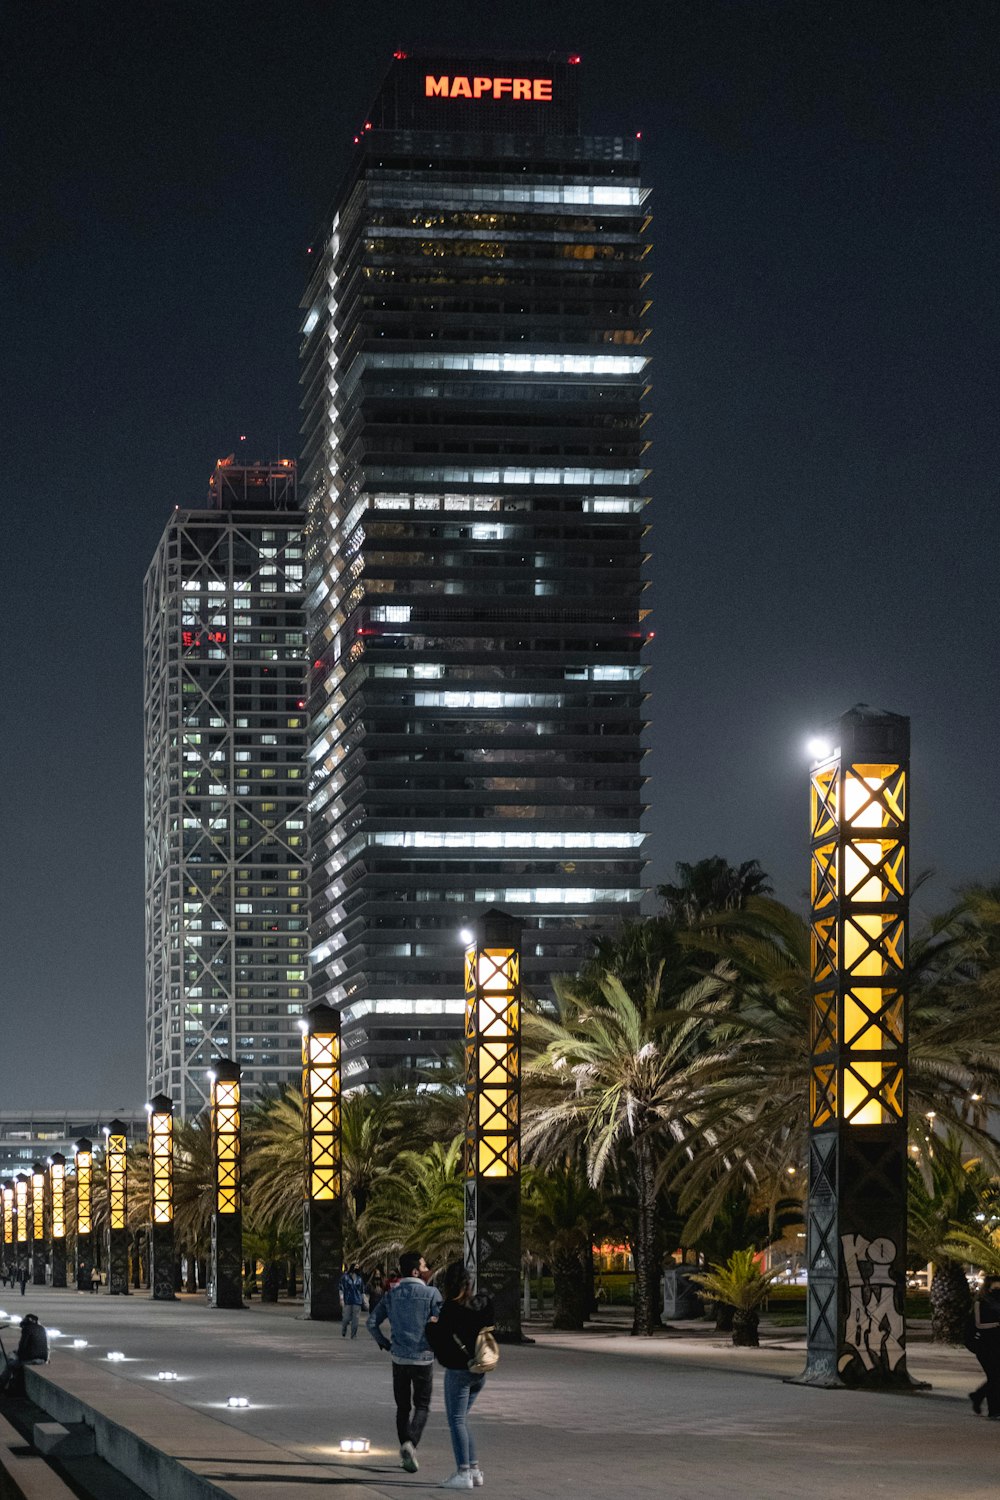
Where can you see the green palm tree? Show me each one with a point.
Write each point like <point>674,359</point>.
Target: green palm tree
<point>743,1286</point>
<point>559,1213</point>
<point>417,1204</point>
<point>611,1078</point>
<point>194,1192</point>
<point>712,885</point>
<point>754,1082</point>
<point>945,1195</point>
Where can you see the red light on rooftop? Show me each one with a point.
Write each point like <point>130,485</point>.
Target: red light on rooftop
<point>399,55</point>
<point>317,665</point>
<point>573,58</point>
<point>368,124</point>
<point>357,138</point>
<point>638,135</point>
<point>302,703</point>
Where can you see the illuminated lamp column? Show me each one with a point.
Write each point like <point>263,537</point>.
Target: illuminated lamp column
<point>322,1211</point>
<point>115,1162</point>
<point>493,1126</point>
<point>160,1110</point>
<point>225,1279</point>
<point>857,1127</point>
<point>84,1212</point>
<point>57,1221</point>
<point>37,1224</point>
<point>8,1218</point>
<point>21,1186</point>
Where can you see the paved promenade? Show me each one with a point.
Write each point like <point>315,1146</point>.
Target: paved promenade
<point>588,1416</point>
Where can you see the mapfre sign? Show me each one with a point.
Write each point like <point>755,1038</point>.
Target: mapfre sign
<point>460,86</point>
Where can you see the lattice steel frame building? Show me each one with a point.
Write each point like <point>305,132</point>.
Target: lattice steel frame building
<point>474,393</point>
<point>225,787</point>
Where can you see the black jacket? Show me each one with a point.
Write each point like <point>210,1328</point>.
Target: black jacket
<point>33,1344</point>
<point>453,1336</point>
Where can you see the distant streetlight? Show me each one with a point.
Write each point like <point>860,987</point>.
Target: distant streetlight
<point>84,1212</point>
<point>37,1224</point>
<point>322,1213</point>
<point>225,1284</point>
<point>493,1129</point>
<point>116,1163</point>
<point>160,1112</point>
<point>857,1103</point>
<point>57,1199</point>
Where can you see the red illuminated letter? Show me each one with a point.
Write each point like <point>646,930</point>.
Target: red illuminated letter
<point>543,89</point>
<point>501,86</point>
<point>460,88</point>
<point>522,88</point>
<point>481,86</point>
<point>435,87</point>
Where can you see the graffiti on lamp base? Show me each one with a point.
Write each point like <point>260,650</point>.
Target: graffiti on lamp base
<point>873,1329</point>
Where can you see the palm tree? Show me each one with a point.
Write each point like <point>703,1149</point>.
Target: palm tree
<point>419,1203</point>
<point>945,1195</point>
<point>611,1077</point>
<point>743,1286</point>
<point>559,1210</point>
<point>194,1190</point>
<point>753,1116</point>
<point>712,885</point>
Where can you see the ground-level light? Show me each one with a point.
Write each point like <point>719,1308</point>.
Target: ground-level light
<point>238,1403</point>
<point>355,1445</point>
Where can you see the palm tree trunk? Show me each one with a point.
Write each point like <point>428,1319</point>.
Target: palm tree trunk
<point>646,1280</point>
<point>745,1329</point>
<point>951,1302</point>
<point>569,1299</point>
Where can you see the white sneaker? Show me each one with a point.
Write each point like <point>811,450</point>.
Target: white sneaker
<point>477,1478</point>
<point>462,1480</point>
<point>409,1458</point>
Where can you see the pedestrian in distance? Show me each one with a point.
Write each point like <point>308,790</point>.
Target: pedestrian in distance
<point>352,1296</point>
<point>95,1278</point>
<point>984,1342</point>
<point>22,1275</point>
<point>376,1285</point>
<point>458,1344</point>
<point>408,1307</point>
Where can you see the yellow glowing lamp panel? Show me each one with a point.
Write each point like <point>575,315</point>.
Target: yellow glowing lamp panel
<point>321,1092</point>
<point>84,1212</point>
<point>872,878</point>
<point>227,1136</point>
<point>117,1204</point>
<point>8,1216</point>
<point>161,1155</point>
<point>58,1201</point>
<point>22,1213</point>
<point>37,1206</point>
<point>497,1062</point>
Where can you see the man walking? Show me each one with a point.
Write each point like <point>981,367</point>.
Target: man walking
<point>408,1307</point>
<point>352,1296</point>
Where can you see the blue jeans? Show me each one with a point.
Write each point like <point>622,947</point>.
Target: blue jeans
<point>460,1391</point>
<point>349,1317</point>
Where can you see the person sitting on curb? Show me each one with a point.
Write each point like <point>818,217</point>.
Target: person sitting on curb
<point>32,1349</point>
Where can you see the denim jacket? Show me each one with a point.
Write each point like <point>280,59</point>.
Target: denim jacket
<point>408,1307</point>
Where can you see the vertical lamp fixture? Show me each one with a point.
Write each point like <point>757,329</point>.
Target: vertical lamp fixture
<point>21,1203</point>
<point>116,1161</point>
<point>493,1128</point>
<point>57,1198</point>
<point>37,1224</point>
<point>8,1213</point>
<point>857,1106</point>
<point>323,1242</point>
<point>84,1212</point>
<point>225,1283</point>
<point>160,1110</point>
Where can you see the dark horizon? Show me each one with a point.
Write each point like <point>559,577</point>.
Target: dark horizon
<point>825,458</point>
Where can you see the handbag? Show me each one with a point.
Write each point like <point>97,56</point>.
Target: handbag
<point>486,1355</point>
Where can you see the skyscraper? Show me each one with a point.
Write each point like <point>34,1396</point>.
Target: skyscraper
<point>225,786</point>
<point>474,378</point>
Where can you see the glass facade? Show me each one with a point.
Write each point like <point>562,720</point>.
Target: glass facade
<point>475,459</point>
<point>226,788</point>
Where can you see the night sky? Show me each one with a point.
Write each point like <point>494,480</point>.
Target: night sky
<point>826,462</point>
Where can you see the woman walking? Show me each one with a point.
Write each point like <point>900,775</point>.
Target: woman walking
<point>986,1348</point>
<point>453,1339</point>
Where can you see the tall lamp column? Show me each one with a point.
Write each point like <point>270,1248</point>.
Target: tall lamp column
<point>21,1186</point>
<point>84,1213</point>
<point>493,1126</point>
<point>116,1162</point>
<point>225,1281</point>
<point>8,1219</point>
<point>322,1217</point>
<point>57,1222</point>
<point>857,1108</point>
<point>37,1224</point>
<point>161,1197</point>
